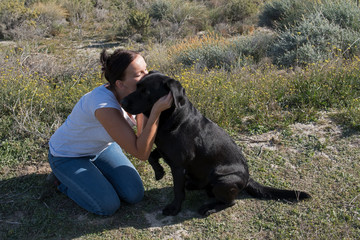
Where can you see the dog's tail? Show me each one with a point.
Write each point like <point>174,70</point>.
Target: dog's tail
<point>258,190</point>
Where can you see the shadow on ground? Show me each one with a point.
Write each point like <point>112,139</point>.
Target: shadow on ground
<point>24,216</point>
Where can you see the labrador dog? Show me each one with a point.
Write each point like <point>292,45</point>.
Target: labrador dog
<point>201,155</point>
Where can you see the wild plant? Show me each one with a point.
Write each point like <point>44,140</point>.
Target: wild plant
<point>313,39</point>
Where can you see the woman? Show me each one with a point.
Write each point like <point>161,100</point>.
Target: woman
<point>85,153</point>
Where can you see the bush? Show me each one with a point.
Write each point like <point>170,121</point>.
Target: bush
<point>214,51</point>
<point>79,10</point>
<point>238,10</point>
<point>139,23</point>
<point>285,13</point>
<point>18,21</point>
<point>159,9</point>
<point>209,56</point>
<point>314,39</point>
<point>116,19</point>
<point>282,14</point>
<point>51,17</point>
<point>177,19</point>
<point>342,12</point>
<point>255,45</point>
<point>15,17</point>
<point>210,51</point>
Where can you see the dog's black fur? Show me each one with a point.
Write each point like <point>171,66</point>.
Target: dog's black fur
<point>201,155</point>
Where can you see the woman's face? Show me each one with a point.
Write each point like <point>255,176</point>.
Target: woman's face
<point>133,73</point>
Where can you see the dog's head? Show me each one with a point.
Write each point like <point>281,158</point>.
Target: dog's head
<point>149,89</point>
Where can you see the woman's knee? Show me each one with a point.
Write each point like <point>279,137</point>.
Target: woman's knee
<point>107,205</point>
<point>130,190</point>
<point>101,199</point>
<point>134,196</point>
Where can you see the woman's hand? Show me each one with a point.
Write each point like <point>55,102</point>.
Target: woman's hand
<point>163,103</point>
<point>115,124</point>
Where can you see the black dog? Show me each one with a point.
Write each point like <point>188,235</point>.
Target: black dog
<point>201,155</point>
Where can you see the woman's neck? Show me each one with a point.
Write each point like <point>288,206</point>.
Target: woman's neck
<point>114,91</point>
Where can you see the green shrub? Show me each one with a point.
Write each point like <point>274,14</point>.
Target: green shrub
<point>312,40</point>
<point>51,17</point>
<point>112,21</point>
<point>159,9</point>
<point>255,45</point>
<point>342,12</point>
<point>212,51</point>
<point>139,22</point>
<point>79,10</point>
<point>14,17</point>
<point>238,10</point>
<point>281,14</point>
<point>177,18</point>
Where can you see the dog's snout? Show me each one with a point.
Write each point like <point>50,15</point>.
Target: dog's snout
<point>124,103</point>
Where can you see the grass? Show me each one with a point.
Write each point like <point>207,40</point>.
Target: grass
<point>319,158</point>
<point>259,107</point>
<point>298,127</point>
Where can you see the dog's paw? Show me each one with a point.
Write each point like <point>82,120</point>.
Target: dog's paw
<point>214,207</point>
<point>159,174</point>
<point>206,210</point>
<point>171,210</point>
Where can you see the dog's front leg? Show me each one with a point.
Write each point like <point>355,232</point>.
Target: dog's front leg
<point>179,192</point>
<point>154,162</point>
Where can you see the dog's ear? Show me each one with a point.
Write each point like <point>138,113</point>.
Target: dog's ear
<point>178,92</point>
<point>153,71</point>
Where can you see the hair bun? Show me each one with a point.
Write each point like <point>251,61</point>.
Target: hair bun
<point>104,58</point>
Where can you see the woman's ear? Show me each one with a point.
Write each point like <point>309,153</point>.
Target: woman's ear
<point>119,84</point>
<point>177,91</point>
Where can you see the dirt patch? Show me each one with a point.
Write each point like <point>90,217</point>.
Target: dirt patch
<point>324,130</point>
<point>324,127</point>
<point>40,168</point>
<point>157,222</point>
<point>7,43</point>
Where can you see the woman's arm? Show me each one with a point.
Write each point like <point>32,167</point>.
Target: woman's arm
<point>115,124</point>
<point>141,121</point>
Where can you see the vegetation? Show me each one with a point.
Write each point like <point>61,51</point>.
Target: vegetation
<point>282,77</point>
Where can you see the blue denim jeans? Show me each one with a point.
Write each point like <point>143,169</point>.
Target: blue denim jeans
<point>98,184</point>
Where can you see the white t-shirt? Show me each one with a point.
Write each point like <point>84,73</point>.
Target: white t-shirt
<point>82,134</point>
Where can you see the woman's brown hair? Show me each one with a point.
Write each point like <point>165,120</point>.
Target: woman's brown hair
<point>114,64</point>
